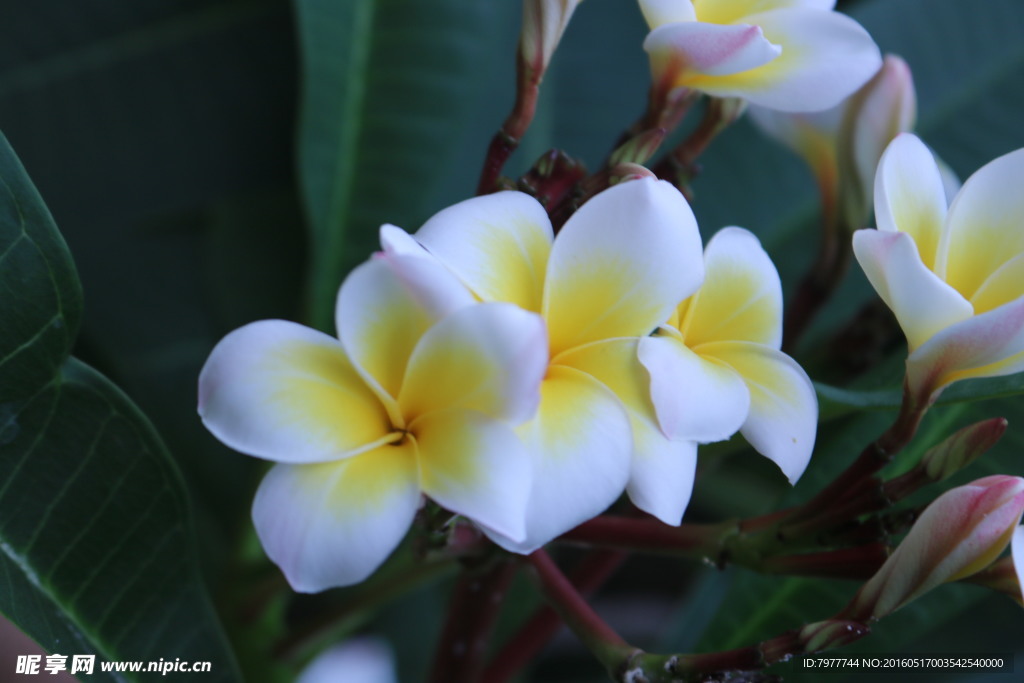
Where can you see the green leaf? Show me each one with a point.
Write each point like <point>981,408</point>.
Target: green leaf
<point>96,538</point>
<point>835,401</point>
<point>381,111</point>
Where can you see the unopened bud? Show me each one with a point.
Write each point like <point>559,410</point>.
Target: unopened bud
<point>544,22</point>
<point>959,534</point>
<point>882,109</point>
<point>962,448</point>
<point>843,145</point>
<point>622,172</point>
<point>639,148</point>
<point>827,635</point>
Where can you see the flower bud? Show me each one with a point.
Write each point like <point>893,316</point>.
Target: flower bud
<point>959,534</point>
<point>843,145</point>
<point>544,21</point>
<point>962,448</point>
<point>828,635</point>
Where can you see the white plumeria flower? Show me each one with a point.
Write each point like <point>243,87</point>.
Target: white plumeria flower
<point>616,270</point>
<point>954,278</point>
<point>361,660</point>
<point>716,366</point>
<point>842,145</point>
<point>792,55</point>
<point>419,393</point>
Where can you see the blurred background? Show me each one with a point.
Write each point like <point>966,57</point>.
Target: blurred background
<point>198,155</point>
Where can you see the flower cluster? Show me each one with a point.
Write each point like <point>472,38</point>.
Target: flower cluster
<point>510,377</point>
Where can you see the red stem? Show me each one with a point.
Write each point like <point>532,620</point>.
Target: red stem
<point>472,612</point>
<point>628,533</point>
<point>596,568</point>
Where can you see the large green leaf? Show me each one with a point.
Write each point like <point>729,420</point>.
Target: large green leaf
<point>385,82</point>
<point>96,538</point>
<point>160,133</point>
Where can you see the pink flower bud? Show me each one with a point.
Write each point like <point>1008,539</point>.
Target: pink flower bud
<point>843,145</point>
<point>960,533</point>
<point>544,21</point>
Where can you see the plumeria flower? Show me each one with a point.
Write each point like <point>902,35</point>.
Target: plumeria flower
<point>361,660</point>
<point>544,22</point>
<point>617,269</point>
<point>954,278</point>
<point>725,339</point>
<point>792,55</point>
<point>1017,551</point>
<point>960,533</point>
<point>418,394</point>
<point>842,145</point>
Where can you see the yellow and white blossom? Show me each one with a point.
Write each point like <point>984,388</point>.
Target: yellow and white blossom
<point>953,277</point>
<point>419,393</point>
<point>617,269</point>
<point>716,367</point>
<point>792,55</point>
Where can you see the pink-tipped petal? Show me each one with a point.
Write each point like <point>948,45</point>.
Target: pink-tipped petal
<point>488,357</point>
<point>284,392</point>
<point>783,417</point>
<point>384,307</point>
<point>909,197</point>
<point>826,56</point>
<point>701,49</point>
<point>497,245</point>
<point>1017,549</point>
<point>986,345</point>
<point>922,302</point>
<point>476,466</point>
<point>696,398</point>
<point>333,524</point>
<point>580,446</point>
<point>621,264</point>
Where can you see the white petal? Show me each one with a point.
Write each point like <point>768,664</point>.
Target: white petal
<point>730,11</point>
<point>487,357</point>
<point>1017,549</point>
<point>696,398</point>
<point>741,298</point>
<point>621,264</point>
<point>702,49</point>
<point>783,417</point>
<point>281,391</point>
<point>394,240</point>
<point>385,306</point>
<point>986,345</point>
<point>334,523</point>
<point>661,470</point>
<point>826,56</point>
<point>497,245</point>
<point>361,660</point>
<point>475,466</point>
<point>658,12</point>
<point>922,302</point>
<point>662,476</point>
<point>580,446</point>
<point>985,223</point>
<point>909,197</point>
